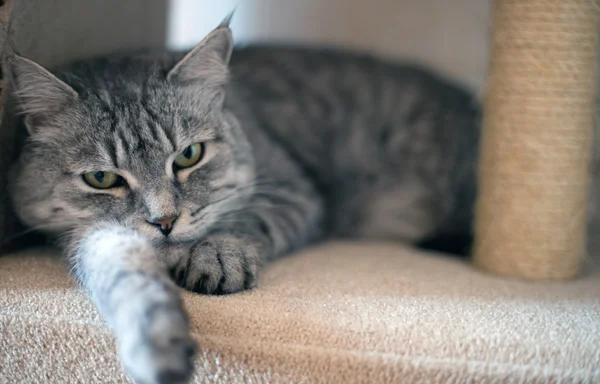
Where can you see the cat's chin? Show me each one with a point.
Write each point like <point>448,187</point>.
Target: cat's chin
<point>173,241</point>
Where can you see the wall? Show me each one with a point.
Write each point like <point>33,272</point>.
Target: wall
<point>53,32</point>
<point>450,35</point>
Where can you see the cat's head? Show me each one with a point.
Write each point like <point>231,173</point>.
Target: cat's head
<point>133,140</point>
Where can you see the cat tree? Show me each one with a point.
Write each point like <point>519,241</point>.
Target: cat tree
<point>537,135</point>
<point>465,327</point>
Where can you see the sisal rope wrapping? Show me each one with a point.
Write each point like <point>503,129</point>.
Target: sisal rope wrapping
<point>536,139</point>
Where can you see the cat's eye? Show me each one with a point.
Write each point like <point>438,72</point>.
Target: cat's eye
<point>190,156</point>
<point>103,180</point>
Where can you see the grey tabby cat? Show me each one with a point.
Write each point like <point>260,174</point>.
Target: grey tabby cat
<point>160,168</point>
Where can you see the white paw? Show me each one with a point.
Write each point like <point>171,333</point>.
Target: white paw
<point>159,349</point>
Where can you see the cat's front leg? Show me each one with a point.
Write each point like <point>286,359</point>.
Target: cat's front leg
<point>130,286</point>
<point>224,262</point>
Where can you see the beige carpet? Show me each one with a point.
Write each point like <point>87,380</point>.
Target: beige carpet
<point>341,313</point>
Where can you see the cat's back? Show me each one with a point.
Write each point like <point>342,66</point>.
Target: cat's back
<point>365,127</point>
<point>317,99</point>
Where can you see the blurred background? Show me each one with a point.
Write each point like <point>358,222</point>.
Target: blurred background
<point>450,35</point>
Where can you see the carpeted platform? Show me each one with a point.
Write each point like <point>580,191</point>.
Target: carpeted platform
<point>339,313</point>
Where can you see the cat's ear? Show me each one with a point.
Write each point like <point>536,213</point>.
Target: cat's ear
<point>207,62</point>
<point>40,94</point>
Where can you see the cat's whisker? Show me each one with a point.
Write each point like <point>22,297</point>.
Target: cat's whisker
<point>33,229</point>
<point>232,194</point>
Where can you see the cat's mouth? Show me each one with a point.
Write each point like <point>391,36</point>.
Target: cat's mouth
<point>175,239</point>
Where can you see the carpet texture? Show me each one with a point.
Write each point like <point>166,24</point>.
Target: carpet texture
<point>338,313</point>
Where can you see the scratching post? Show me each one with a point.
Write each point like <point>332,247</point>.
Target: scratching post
<point>537,134</point>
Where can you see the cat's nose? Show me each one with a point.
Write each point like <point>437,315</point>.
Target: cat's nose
<point>164,224</point>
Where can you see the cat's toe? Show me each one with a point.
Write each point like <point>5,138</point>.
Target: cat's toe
<point>173,365</point>
<point>221,265</point>
<point>156,365</point>
<point>171,376</point>
<point>176,366</point>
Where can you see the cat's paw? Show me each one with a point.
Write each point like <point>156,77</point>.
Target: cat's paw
<point>221,264</point>
<point>159,350</point>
